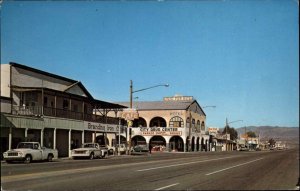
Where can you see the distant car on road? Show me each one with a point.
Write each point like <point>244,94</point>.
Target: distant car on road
<point>243,149</point>
<point>89,150</point>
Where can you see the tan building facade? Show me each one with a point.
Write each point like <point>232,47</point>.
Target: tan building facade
<point>174,124</point>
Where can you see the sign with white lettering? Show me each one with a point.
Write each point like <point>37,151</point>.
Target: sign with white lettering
<point>100,127</point>
<point>179,98</point>
<point>224,137</point>
<point>160,131</point>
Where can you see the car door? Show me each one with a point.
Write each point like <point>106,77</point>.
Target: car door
<point>97,151</point>
<point>45,153</point>
<point>36,152</point>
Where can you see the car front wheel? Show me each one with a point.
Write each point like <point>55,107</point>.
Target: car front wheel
<point>27,159</point>
<point>92,156</point>
<point>50,158</point>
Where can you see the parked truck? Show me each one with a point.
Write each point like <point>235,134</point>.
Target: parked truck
<point>30,151</point>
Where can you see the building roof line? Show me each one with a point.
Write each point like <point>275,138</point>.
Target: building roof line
<point>74,82</point>
<point>41,72</point>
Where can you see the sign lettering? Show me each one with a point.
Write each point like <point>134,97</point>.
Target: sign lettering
<point>101,127</point>
<point>96,127</point>
<point>176,113</point>
<point>130,114</point>
<point>159,131</point>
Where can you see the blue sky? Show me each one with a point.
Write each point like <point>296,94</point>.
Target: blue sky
<point>241,56</point>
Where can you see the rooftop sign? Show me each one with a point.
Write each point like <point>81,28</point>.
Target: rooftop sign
<point>178,98</point>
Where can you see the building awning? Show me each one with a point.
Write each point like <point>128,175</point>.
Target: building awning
<point>98,104</point>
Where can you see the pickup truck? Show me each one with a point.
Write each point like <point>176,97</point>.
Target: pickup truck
<point>89,150</point>
<point>30,151</point>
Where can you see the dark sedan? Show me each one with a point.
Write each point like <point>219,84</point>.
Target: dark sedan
<point>139,149</point>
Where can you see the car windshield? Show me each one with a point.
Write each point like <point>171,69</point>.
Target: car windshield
<point>25,146</point>
<point>89,146</point>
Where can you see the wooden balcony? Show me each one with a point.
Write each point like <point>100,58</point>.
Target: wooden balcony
<point>39,111</point>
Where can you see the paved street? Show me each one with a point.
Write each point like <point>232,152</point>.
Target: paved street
<point>262,170</point>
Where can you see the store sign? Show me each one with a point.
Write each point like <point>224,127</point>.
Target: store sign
<point>101,127</point>
<point>224,137</point>
<point>213,130</point>
<point>129,114</point>
<point>160,131</point>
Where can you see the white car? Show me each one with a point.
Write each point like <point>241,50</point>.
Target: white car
<point>30,151</point>
<point>122,148</point>
<point>89,150</point>
<point>111,149</point>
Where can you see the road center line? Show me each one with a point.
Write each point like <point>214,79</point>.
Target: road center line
<point>167,186</point>
<point>181,164</point>
<point>233,166</point>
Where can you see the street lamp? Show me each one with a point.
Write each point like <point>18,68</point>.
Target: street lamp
<point>131,91</point>
<point>213,106</point>
<point>227,123</point>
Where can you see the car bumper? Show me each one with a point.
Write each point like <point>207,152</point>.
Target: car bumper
<point>14,158</point>
<point>80,155</point>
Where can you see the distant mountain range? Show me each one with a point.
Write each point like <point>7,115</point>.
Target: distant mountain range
<point>286,134</point>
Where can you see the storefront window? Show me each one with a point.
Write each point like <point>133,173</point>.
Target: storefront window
<point>202,126</point>
<point>188,122</point>
<point>176,122</point>
<point>193,123</point>
<point>198,125</point>
<point>158,122</point>
<point>140,122</point>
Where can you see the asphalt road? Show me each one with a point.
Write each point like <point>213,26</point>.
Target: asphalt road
<point>261,170</point>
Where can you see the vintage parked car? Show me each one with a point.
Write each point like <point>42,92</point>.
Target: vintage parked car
<point>89,150</point>
<point>121,147</point>
<point>111,149</point>
<point>30,151</point>
<point>139,149</point>
<point>243,149</point>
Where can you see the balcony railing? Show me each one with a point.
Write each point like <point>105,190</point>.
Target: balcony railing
<point>63,113</point>
<point>27,110</point>
<point>101,119</point>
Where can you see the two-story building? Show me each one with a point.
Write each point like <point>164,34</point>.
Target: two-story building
<point>54,110</point>
<point>174,124</point>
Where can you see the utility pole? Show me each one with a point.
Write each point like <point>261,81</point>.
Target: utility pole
<point>130,122</point>
<point>131,94</point>
<point>226,133</point>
